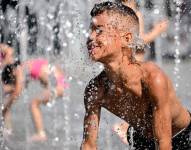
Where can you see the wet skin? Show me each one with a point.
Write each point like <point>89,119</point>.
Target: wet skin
<point>133,102</point>
<point>139,93</point>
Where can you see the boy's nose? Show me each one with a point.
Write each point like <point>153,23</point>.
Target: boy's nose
<point>89,40</point>
<point>92,35</point>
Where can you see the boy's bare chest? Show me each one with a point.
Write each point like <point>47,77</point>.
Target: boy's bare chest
<point>127,104</point>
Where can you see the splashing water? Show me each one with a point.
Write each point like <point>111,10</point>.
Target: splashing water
<point>177,43</point>
<point>57,31</point>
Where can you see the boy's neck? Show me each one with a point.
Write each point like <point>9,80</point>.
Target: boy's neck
<point>113,68</point>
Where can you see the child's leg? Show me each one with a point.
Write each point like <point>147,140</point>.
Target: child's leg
<point>7,105</point>
<point>9,100</point>
<point>7,130</point>
<point>37,117</point>
<point>7,119</point>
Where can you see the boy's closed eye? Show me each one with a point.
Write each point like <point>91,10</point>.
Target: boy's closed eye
<point>98,31</point>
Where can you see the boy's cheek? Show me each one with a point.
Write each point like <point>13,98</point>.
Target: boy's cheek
<point>105,42</point>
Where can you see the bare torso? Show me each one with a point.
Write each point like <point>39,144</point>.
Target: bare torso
<point>133,102</point>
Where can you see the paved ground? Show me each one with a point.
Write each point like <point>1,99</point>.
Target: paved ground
<point>64,120</point>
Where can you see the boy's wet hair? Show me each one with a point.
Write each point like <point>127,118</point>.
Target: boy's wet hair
<point>116,7</point>
<point>137,43</point>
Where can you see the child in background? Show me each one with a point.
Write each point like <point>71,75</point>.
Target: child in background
<point>35,69</point>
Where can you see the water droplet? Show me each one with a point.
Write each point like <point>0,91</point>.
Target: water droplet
<point>76,116</point>
<point>156,11</point>
<point>64,44</point>
<point>80,83</point>
<point>177,61</point>
<point>70,78</point>
<point>56,139</point>
<point>68,23</point>
<point>69,35</point>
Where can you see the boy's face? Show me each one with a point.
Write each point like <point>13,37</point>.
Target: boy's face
<point>104,41</point>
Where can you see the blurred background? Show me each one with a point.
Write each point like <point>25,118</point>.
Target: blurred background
<point>57,30</point>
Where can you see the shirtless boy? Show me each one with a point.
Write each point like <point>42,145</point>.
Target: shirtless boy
<point>139,93</point>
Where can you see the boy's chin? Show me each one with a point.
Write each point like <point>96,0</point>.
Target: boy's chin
<point>95,58</point>
<point>99,59</point>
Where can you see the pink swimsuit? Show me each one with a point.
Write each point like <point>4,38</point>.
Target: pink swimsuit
<point>36,67</point>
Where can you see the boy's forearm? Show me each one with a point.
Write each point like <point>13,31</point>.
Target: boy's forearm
<point>165,145</point>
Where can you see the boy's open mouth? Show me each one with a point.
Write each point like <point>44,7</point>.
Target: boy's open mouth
<point>91,47</point>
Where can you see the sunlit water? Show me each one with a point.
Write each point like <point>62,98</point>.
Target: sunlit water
<point>63,120</point>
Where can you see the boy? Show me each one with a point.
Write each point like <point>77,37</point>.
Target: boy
<point>139,93</point>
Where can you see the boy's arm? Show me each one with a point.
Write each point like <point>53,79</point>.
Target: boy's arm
<point>91,120</point>
<point>91,126</point>
<point>162,125</point>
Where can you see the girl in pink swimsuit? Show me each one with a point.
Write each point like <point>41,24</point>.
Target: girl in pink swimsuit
<point>39,70</point>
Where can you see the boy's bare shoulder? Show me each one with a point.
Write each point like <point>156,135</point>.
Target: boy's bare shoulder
<point>152,68</point>
<point>155,74</point>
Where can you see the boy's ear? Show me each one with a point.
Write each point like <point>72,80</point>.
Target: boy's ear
<point>126,38</point>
